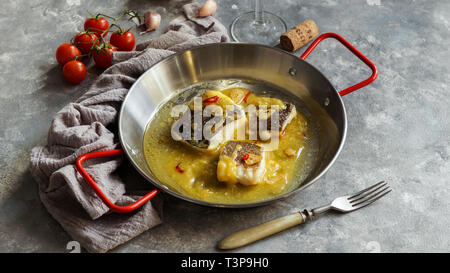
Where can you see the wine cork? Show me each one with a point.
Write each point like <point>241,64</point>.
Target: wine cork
<point>299,35</point>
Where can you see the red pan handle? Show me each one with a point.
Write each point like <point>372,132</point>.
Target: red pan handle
<point>352,49</point>
<point>98,191</point>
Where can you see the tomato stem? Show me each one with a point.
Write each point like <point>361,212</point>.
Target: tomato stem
<point>134,14</point>
<point>121,31</point>
<point>98,16</point>
<point>90,14</point>
<point>79,57</point>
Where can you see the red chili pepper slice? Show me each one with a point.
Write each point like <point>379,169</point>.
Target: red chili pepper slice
<point>284,132</point>
<point>246,96</point>
<point>246,156</point>
<point>211,100</point>
<point>178,169</point>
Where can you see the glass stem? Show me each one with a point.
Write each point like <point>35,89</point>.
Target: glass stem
<point>259,16</point>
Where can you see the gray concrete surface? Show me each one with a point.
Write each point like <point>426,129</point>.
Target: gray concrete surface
<point>398,128</point>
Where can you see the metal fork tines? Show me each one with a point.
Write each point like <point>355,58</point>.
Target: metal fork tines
<point>354,201</point>
<point>369,195</point>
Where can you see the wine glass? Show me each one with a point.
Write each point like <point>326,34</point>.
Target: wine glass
<point>258,26</point>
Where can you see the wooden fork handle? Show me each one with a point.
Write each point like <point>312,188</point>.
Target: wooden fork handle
<point>253,234</point>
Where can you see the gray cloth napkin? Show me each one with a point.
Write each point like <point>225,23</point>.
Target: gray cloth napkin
<point>86,126</point>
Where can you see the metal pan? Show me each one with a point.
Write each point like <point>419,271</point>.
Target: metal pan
<point>291,75</point>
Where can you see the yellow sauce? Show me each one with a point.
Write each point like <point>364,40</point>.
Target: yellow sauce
<point>226,170</point>
<point>198,178</point>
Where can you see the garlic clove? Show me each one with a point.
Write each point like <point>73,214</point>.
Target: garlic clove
<point>208,8</point>
<point>151,20</point>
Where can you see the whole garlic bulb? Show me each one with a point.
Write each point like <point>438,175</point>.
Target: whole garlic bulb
<point>208,8</point>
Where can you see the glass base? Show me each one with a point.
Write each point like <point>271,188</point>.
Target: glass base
<point>245,29</point>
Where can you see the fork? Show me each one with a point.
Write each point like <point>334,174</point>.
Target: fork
<point>343,204</point>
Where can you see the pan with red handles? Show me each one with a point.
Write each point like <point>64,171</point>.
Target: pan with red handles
<point>230,61</point>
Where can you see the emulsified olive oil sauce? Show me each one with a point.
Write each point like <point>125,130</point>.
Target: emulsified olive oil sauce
<point>194,173</point>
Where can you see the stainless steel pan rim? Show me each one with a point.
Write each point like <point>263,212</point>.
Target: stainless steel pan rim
<point>235,205</point>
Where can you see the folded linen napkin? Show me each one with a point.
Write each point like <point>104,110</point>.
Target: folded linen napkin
<point>87,125</point>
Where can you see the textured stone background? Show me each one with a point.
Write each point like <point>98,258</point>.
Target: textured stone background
<point>398,128</point>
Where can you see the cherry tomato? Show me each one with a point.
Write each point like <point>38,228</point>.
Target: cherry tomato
<point>66,52</point>
<point>123,41</point>
<point>74,72</point>
<point>84,40</point>
<point>96,25</point>
<point>103,55</point>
